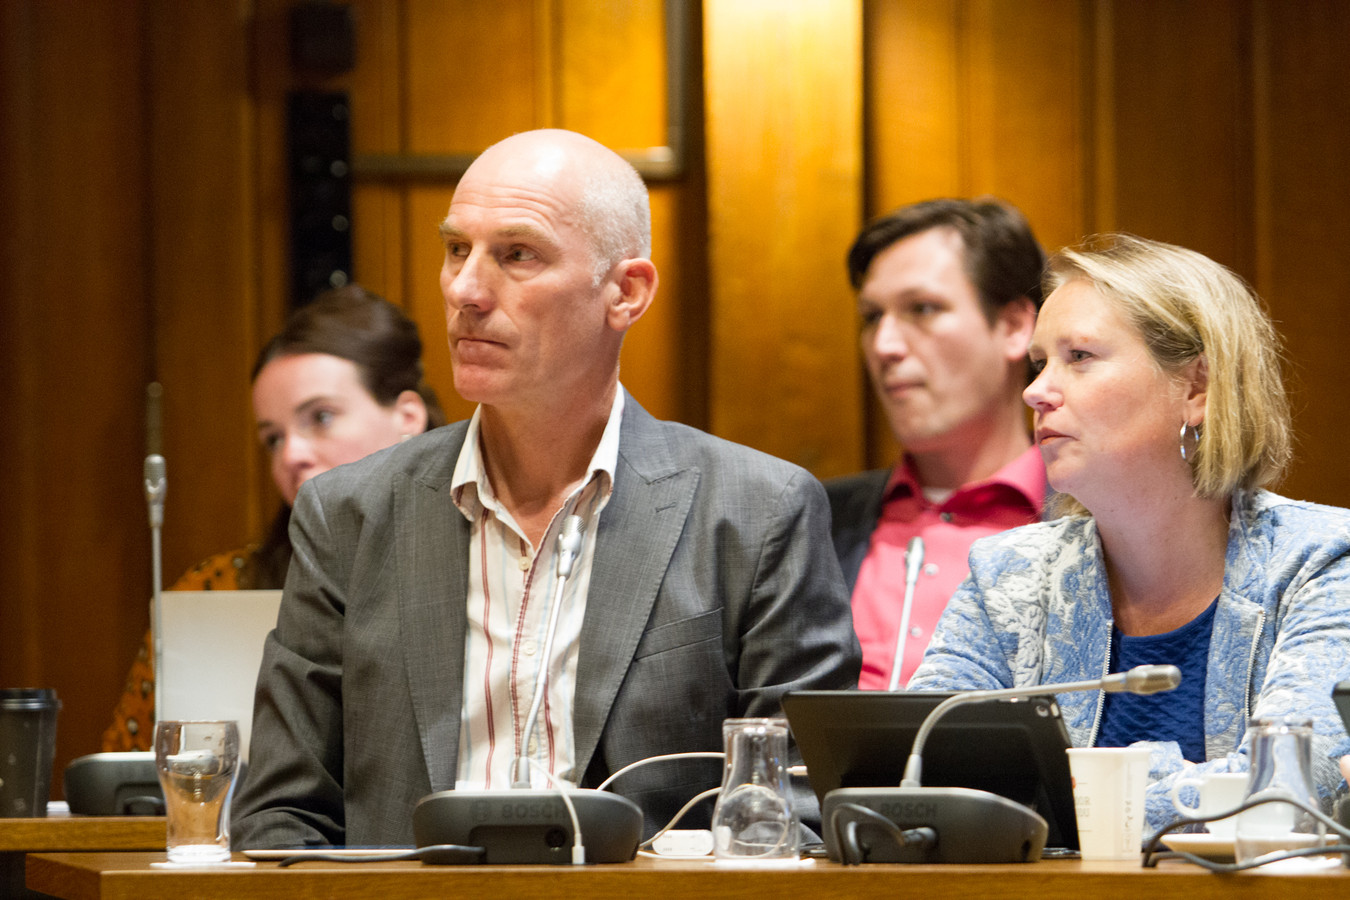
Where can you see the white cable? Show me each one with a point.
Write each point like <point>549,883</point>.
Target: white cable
<point>697,754</point>
<point>697,798</point>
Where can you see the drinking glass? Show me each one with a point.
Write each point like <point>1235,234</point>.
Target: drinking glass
<point>198,764</point>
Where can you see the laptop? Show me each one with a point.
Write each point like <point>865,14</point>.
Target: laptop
<point>213,644</point>
<point>1013,748</point>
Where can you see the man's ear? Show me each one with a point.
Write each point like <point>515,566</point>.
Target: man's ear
<point>1015,322</point>
<point>636,280</point>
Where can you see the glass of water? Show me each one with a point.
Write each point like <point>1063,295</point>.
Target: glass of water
<point>198,765</point>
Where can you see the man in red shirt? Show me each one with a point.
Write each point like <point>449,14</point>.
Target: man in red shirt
<point>948,292</point>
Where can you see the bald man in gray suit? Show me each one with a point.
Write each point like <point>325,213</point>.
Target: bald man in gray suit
<point>405,653</point>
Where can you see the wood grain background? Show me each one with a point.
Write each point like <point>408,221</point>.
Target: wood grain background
<point>144,238</point>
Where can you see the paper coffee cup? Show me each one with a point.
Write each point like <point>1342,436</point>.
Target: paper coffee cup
<point>1108,797</point>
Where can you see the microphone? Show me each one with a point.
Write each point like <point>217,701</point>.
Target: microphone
<point>126,783</point>
<point>523,825</point>
<point>569,545</point>
<point>913,565</point>
<point>962,825</point>
<point>156,486</point>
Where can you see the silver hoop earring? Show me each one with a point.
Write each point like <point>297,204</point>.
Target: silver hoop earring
<point>1195,439</point>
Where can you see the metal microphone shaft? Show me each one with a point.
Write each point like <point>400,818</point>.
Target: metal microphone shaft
<point>913,565</point>
<point>569,545</point>
<point>1139,680</point>
<point>155,488</point>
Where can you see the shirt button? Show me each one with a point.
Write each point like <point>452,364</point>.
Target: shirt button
<point>930,569</point>
<point>916,631</point>
<point>946,517</point>
<point>524,564</point>
<point>528,648</point>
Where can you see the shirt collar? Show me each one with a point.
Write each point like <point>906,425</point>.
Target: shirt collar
<point>472,490</point>
<point>1024,475</point>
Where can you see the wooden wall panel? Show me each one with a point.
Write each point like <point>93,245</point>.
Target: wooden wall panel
<point>1181,100</point>
<point>76,354</point>
<point>1305,270</point>
<point>476,72</point>
<point>913,91</point>
<point>1024,124</point>
<point>201,149</point>
<point>784,166</point>
<point>379,209</point>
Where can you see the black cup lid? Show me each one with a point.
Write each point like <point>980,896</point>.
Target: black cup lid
<point>28,698</point>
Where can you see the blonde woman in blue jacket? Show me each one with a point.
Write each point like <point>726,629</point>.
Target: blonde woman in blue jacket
<point>1161,416</point>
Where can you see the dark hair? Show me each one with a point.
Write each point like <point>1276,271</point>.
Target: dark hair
<point>1002,258</point>
<point>363,328</point>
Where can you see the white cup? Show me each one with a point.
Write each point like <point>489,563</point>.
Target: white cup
<point>198,763</point>
<point>1108,797</point>
<point>1218,792</point>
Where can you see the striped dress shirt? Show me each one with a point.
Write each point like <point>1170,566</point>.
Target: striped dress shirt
<point>510,592</point>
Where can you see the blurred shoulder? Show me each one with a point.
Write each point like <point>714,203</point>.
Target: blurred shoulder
<point>427,458</point>
<point>654,447</point>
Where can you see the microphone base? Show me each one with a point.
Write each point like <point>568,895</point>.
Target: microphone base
<point>114,784</point>
<point>525,827</point>
<point>971,826</point>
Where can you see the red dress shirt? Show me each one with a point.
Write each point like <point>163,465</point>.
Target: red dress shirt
<point>1013,496</point>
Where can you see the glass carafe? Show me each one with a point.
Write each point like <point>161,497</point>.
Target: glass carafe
<point>753,818</point>
<point>1281,767</point>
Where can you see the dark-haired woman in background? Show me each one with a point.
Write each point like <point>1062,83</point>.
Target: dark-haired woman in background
<point>1161,416</point>
<point>341,380</point>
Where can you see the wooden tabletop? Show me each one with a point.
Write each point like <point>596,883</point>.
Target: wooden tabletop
<point>67,832</point>
<point>124,876</point>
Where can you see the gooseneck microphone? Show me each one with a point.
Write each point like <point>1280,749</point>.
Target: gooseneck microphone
<point>911,823</point>
<point>913,565</point>
<point>1139,680</point>
<point>155,488</point>
<point>523,825</point>
<point>569,545</point>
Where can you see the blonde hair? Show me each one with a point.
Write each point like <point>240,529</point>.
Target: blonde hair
<point>1188,307</point>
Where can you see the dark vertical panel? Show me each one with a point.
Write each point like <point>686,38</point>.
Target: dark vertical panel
<point>74,570</point>
<point>1183,135</point>
<point>205,262</point>
<point>1307,229</point>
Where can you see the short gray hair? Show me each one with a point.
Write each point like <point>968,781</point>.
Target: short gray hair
<point>616,214</point>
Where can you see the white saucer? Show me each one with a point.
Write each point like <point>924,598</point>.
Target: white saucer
<point>1209,846</point>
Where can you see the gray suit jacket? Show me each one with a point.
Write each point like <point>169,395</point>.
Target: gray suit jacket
<point>855,507</point>
<point>714,590</point>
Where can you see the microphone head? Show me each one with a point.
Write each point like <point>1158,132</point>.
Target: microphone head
<point>569,544</point>
<point>154,469</point>
<point>913,557</point>
<point>1151,679</point>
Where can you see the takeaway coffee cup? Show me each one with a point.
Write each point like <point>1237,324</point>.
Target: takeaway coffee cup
<point>27,745</point>
<point>1108,797</point>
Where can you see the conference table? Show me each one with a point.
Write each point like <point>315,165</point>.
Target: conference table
<point>62,831</point>
<point>126,875</point>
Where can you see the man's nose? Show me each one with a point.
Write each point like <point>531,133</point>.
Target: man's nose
<point>466,282</point>
<point>889,338</point>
